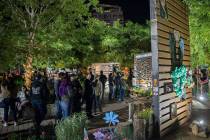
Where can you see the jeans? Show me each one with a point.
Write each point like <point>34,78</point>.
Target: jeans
<point>58,110</point>
<point>65,108</point>
<point>2,104</point>
<point>122,94</point>
<point>89,104</point>
<point>97,103</point>
<point>111,92</point>
<point>102,94</point>
<point>117,91</point>
<point>9,103</point>
<point>40,111</point>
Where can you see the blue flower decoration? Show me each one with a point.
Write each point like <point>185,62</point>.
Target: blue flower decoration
<point>111,118</point>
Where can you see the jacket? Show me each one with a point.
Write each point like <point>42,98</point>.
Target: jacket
<point>98,88</point>
<point>5,93</point>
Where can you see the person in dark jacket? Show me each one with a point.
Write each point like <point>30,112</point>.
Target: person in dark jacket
<point>103,80</point>
<point>92,77</point>
<point>38,97</point>
<point>88,96</point>
<point>7,102</point>
<point>77,94</point>
<point>117,81</point>
<point>111,86</point>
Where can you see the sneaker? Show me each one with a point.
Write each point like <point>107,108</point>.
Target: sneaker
<point>15,123</point>
<point>5,124</point>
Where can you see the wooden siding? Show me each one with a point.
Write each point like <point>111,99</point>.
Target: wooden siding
<point>177,20</point>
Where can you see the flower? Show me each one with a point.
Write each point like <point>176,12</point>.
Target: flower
<point>111,118</point>
<point>99,135</point>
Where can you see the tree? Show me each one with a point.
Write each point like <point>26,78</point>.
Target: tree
<point>67,36</point>
<point>122,42</point>
<point>35,19</point>
<point>199,31</point>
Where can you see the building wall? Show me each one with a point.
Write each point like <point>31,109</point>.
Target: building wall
<point>161,27</point>
<point>110,14</point>
<point>142,69</point>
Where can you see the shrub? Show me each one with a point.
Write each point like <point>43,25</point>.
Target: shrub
<point>71,128</point>
<point>145,113</point>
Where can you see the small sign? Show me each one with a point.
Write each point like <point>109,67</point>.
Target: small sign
<point>155,81</point>
<point>173,110</point>
<point>168,87</point>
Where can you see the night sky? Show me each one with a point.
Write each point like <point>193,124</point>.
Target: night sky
<point>134,10</point>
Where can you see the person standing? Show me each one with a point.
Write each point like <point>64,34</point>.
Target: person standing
<point>117,82</point>
<point>22,100</point>
<point>38,97</point>
<point>123,87</point>
<point>103,80</point>
<point>111,86</point>
<point>92,77</point>
<point>56,82</point>
<point>97,87</point>
<point>6,102</point>
<point>77,94</point>
<point>88,95</point>
<point>65,94</point>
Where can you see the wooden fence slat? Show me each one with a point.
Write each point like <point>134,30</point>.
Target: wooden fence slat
<point>164,118</point>
<point>182,109</point>
<point>167,55</point>
<point>166,48</point>
<point>167,96</point>
<point>172,25</point>
<point>164,111</point>
<point>167,103</point>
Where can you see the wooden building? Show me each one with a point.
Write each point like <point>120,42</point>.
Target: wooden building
<point>169,17</point>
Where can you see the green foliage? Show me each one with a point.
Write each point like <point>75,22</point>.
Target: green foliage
<point>44,29</point>
<point>71,128</point>
<point>145,113</point>
<point>62,33</point>
<point>143,92</point>
<point>199,31</point>
<point>118,43</point>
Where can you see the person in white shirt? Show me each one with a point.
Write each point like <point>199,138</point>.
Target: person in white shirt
<point>22,100</point>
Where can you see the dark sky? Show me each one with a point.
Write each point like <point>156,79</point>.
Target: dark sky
<point>134,10</point>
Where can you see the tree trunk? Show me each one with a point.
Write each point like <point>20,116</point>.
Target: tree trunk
<point>28,71</point>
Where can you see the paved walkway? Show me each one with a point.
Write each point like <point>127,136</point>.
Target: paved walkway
<point>200,111</point>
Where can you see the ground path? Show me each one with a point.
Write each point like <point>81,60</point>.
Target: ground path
<point>200,111</point>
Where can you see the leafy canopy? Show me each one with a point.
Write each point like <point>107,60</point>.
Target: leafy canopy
<point>199,31</point>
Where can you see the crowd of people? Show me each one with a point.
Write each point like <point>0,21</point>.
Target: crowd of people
<point>67,91</point>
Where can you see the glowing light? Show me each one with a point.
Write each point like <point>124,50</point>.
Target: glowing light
<point>201,122</point>
<point>201,98</point>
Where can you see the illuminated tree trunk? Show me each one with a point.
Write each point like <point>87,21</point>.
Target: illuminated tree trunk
<point>28,71</point>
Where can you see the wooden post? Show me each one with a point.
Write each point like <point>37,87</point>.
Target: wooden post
<point>130,112</point>
<point>155,66</point>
